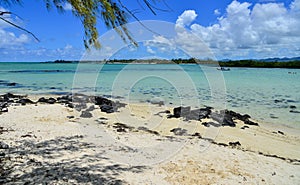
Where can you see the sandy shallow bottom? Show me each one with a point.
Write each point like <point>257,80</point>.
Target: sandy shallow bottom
<point>53,144</point>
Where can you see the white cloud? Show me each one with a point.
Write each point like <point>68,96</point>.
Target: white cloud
<point>245,31</point>
<point>217,12</point>
<point>8,38</point>
<point>186,18</point>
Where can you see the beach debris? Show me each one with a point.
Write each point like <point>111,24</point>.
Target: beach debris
<point>249,122</point>
<point>86,114</point>
<point>197,134</point>
<point>244,127</point>
<point>294,111</point>
<point>3,145</point>
<point>28,135</point>
<point>145,129</point>
<point>179,131</point>
<point>210,123</point>
<point>280,132</point>
<point>5,109</point>
<point>51,100</point>
<point>121,127</point>
<point>234,144</point>
<point>70,117</point>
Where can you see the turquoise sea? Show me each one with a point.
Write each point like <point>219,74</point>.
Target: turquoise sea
<point>268,95</point>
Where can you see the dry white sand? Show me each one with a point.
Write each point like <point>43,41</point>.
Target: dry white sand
<point>46,146</point>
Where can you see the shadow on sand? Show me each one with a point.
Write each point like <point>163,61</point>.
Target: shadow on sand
<point>63,160</point>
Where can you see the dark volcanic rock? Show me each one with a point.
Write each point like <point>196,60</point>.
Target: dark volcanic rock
<point>293,107</point>
<point>12,84</point>
<point>198,114</point>
<point>42,100</point>
<point>51,100</point>
<point>80,106</point>
<point>25,101</point>
<point>91,108</point>
<point>86,114</point>
<point>248,122</point>
<point>47,100</point>
<point>223,119</point>
<point>102,101</point>
<point>181,111</point>
<point>107,108</point>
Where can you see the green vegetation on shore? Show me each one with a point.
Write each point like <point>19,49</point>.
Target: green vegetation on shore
<point>231,63</point>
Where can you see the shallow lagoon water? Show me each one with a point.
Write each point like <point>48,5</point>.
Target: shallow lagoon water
<point>268,95</point>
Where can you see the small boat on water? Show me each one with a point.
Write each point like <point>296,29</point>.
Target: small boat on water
<point>223,69</point>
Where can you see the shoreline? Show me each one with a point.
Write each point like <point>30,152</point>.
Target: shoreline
<point>141,136</point>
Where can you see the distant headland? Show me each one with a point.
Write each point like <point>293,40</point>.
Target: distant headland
<point>251,63</point>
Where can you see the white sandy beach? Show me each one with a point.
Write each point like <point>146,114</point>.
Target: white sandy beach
<point>46,145</point>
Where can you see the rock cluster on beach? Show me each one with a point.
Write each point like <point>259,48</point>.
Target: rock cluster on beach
<point>221,118</point>
<point>77,101</point>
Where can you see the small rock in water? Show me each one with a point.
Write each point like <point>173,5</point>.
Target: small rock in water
<point>293,107</point>
<point>12,84</point>
<point>294,111</point>
<point>86,114</point>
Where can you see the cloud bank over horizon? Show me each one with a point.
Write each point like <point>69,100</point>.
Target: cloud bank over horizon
<point>251,31</point>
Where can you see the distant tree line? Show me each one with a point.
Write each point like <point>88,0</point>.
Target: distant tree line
<point>231,63</point>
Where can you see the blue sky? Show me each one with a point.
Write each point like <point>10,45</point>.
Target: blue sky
<point>231,29</point>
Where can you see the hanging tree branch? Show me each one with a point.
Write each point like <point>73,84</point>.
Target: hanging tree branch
<point>15,25</point>
<point>112,12</point>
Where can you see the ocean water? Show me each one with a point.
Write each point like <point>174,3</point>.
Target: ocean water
<point>268,95</point>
